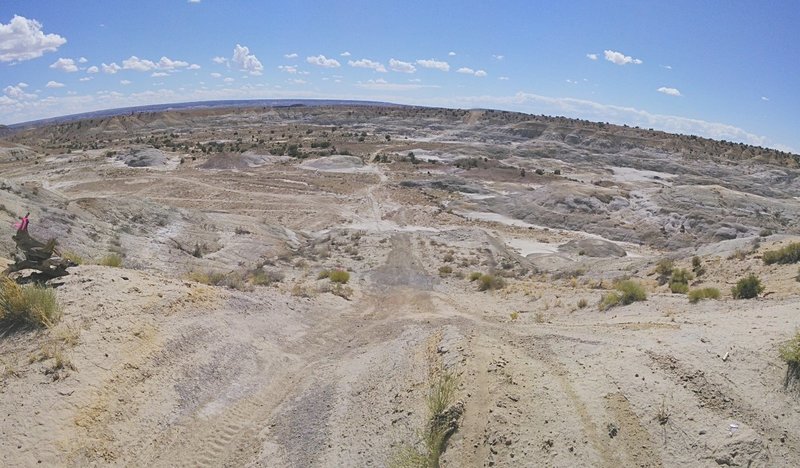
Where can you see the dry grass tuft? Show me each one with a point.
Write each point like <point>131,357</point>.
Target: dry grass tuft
<point>28,305</point>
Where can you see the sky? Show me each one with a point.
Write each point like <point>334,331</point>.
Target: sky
<point>720,69</point>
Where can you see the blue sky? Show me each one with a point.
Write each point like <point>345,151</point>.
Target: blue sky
<point>723,69</point>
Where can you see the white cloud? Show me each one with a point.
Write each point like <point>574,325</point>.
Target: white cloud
<point>669,91</point>
<point>591,56</point>
<point>668,67</point>
<point>216,75</point>
<point>367,63</point>
<point>287,68</point>
<point>229,80</point>
<point>322,61</point>
<point>83,60</point>
<point>246,61</point>
<point>498,57</point>
<point>194,66</point>
<point>86,78</point>
<point>764,98</point>
<point>345,54</point>
<point>469,71</point>
<point>383,85</point>
<point>290,56</point>
<point>54,84</point>
<point>17,92</point>
<point>23,39</point>
<point>435,64</point>
<point>159,74</point>
<point>125,82</point>
<point>400,66</point>
<point>298,81</point>
<point>92,69</point>
<point>503,78</point>
<point>135,63</point>
<point>168,64</point>
<point>219,60</point>
<point>65,64</point>
<point>192,1</point>
<point>451,54</point>
<point>619,58</point>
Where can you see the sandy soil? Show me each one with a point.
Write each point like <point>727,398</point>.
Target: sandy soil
<point>164,371</point>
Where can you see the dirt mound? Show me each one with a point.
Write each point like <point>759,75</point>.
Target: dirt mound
<point>144,157</point>
<point>335,163</point>
<point>235,161</point>
<point>593,248</point>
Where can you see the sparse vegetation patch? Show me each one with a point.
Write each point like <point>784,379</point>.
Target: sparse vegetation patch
<point>784,255</point>
<point>696,295</point>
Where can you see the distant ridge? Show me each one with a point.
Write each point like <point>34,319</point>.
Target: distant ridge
<point>192,105</point>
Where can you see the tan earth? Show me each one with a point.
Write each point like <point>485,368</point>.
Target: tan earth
<point>158,369</point>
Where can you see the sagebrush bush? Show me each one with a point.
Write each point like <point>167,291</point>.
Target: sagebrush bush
<point>609,300</point>
<point>111,260</point>
<point>475,275</point>
<point>747,287</point>
<point>339,276</point>
<point>28,305</point>
<point>784,255</point>
<point>790,351</point>
<point>582,303</point>
<point>664,269</point>
<point>445,270</point>
<point>697,266</point>
<point>679,281</point>
<point>627,292</point>
<point>631,292</point>
<point>696,295</point>
<point>487,282</point>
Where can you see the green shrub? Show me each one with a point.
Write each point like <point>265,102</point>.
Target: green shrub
<point>627,292</point>
<point>323,274</point>
<point>339,276</point>
<point>747,288</point>
<point>790,351</point>
<point>679,282</point>
<point>111,260</point>
<point>475,275</point>
<point>487,282</point>
<point>697,266</point>
<point>609,300</point>
<point>29,305</point>
<point>696,295</point>
<point>631,292</point>
<point>784,255</point>
<point>664,269</point>
<point>445,270</point>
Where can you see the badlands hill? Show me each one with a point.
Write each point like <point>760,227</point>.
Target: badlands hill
<point>299,284</point>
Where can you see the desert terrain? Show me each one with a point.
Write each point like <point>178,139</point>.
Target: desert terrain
<point>478,246</point>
